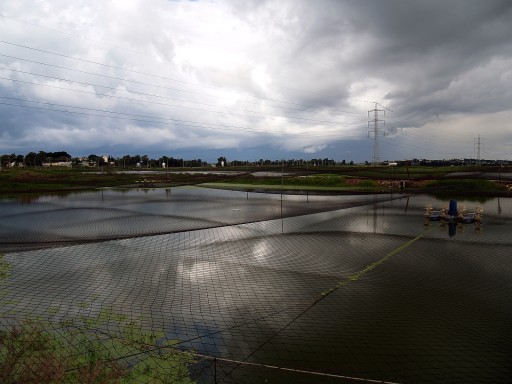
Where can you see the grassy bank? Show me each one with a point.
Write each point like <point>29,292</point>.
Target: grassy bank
<point>34,180</point>
<point>465,186</point>
<point>343,179</point>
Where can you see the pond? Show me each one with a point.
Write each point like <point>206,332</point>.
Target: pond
<point>325,287</point>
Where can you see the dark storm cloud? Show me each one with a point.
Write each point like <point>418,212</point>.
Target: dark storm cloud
<point>270,76</point>
<point>427,47</point>
<point>420,47</point>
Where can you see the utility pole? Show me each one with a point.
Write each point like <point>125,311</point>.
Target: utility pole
<point>375,131</point>
<point>478,142</point>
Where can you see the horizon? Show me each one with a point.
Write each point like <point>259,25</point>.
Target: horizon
<point>50,157</point>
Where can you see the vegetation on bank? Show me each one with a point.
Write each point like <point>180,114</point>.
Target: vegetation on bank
<point>376,180</point>
<point>465,186</point>
<point>29,180</point>
<point>106,347</point>
<point>328,178</point>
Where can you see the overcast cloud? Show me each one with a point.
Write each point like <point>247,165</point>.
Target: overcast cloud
<point>257,79</point>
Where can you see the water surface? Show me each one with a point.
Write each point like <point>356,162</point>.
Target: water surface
<point>350,286</point>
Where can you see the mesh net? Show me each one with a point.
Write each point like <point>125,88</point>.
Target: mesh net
<point>195,285</point>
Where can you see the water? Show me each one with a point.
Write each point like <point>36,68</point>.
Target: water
<point>346,285</point>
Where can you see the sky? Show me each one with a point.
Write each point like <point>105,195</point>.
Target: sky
<point>253,79</point>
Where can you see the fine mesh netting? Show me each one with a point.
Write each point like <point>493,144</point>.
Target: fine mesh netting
<point>195,285</point>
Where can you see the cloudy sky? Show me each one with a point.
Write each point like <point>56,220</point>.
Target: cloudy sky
<point>257,79</point>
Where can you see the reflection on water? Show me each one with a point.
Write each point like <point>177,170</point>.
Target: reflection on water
<point>478,200</point>
<point>225,275</point>
<point>115,214</point>
<point>28,198</point>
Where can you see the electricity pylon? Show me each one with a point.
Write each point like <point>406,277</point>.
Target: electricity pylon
<point>375,131</point>
<point>477,142</point>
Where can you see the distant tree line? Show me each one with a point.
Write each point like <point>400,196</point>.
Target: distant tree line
<point>33,159</point>
<point>144,161</point>
<point>289,162</point>
<point>450,162</point>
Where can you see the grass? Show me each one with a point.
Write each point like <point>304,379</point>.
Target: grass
<point>312,180</point>
<point>15,180</point>
<point>103,348</point>
<point>32,352</point>
<point>464,185</point>
<point>323,182</point>
<point>340,178</point>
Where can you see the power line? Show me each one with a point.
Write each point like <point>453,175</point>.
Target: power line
<point>102,64</point>
<point>311,121</point>
<point>160,58</point>
<point>166,97</point>
<point>198,124</point>
<point>420,143</point>
<point>423,137</point>
<point>145,118</point>
<point>425,142</point>
<point>72,35</point>
<point>146,73</point>
<point>373,102</point>
<point>420,151</point>
<point>166,87</point>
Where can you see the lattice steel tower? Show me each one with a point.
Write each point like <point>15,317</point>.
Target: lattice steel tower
<point>477,143</point>
<point>375,131</point>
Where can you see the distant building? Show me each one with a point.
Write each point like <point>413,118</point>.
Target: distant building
<point>58,164</point>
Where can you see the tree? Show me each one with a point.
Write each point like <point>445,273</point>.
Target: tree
<point>41,158</point>
<point>136,159</point>
<point>97,160</point>
<point>222,161</point>
<point>30,159</point>
<point>5,160</point>
<point>20,159</point>
<point>126,160</point>
<point>58,156</point>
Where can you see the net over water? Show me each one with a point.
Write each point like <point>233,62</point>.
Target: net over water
<point>235,287</point>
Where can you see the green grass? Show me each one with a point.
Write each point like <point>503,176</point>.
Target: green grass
<point>86,348</point>
<point>471,185</point>
<point>40,179</point>
<point>313,180</point>
<point>25,180</point>
<point>322,182</point>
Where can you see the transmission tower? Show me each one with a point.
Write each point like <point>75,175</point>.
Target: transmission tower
<point>478,143</point>
<point>375,131</point>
